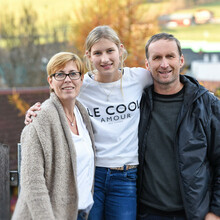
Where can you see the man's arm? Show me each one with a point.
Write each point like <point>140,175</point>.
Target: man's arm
<point>214,157</point>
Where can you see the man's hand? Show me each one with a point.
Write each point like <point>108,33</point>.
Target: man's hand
<point>31,112</point>
<point>211,216</point>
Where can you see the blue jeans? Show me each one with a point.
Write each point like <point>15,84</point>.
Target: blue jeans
<point>114,195</point>
<point>158,217</point>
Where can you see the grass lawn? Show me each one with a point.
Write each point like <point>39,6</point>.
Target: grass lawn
<point>206,32</point>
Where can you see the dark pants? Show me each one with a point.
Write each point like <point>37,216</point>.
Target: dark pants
<point>158,217</point>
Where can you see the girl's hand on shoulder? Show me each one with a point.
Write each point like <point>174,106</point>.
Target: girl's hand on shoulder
<point>32,112</point>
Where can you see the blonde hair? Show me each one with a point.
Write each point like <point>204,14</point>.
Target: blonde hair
<point>59,60</point>
<point>97,34</point>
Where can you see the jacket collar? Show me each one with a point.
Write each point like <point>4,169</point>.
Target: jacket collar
<point>192,91</point>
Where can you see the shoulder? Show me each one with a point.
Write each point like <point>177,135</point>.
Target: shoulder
<point>214,101</point>
<point>47,114</point>
<point>46,107</point>
<point>208,96</point>
<point>43,124</point>
<point>87,78</point>
<point>135,70</point>
<point>206,101</point>
<point>28,131</point>
<point>88,82</point>
<point>29,138</point>
<point>139,74</point>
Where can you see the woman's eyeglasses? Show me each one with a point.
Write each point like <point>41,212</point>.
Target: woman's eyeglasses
<point>62,76</point>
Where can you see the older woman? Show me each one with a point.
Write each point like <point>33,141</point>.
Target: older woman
<point>57,168</point>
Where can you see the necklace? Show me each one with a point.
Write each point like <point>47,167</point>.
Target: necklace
<point>71,122</point>
<point>108,88</point>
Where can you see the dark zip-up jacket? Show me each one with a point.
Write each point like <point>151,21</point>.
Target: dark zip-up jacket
<point>197,148</point>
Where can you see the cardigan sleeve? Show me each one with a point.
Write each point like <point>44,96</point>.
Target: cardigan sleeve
<point>33,183</point>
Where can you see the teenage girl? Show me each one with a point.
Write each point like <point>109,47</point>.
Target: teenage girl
<point>111,93</point>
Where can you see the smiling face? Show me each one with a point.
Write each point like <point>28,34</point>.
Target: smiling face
<point>67,89</point>
<point>164,63</point>
<point>105,56</point>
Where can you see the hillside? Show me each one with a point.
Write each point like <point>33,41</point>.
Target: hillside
<point>56,13</point>
<point>199,37</point>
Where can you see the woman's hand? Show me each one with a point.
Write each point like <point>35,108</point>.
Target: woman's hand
<point>31,112</point>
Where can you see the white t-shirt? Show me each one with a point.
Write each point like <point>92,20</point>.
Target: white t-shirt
<point>114,113</point>
<point>85,163</point>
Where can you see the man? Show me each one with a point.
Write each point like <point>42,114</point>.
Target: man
<point>179,140</point>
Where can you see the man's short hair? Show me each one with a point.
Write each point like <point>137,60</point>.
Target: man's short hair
<point>162,36</point>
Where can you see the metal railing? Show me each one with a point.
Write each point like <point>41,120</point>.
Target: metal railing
<point>7,179</point>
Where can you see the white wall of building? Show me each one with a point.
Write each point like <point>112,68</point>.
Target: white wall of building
<point>207,69</point>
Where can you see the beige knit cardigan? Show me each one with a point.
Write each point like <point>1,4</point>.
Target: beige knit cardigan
<point>48,167</point>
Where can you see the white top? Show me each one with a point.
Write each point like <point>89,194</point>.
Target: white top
<point>115,113</point>
<point>85,163</point>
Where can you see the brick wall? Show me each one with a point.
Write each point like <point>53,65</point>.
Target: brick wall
<point>12,115</point>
